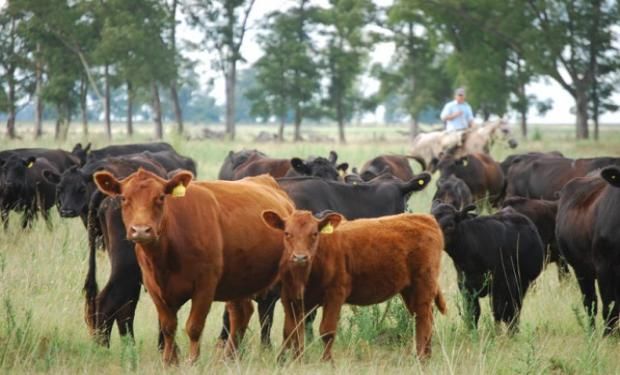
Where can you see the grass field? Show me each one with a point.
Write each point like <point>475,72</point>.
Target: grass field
<point>41,305</point>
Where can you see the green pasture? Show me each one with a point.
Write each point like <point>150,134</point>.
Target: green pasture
<point>42,271</point>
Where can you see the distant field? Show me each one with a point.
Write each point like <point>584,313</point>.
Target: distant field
<point>42,271</point>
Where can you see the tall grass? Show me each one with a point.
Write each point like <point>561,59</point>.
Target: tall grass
<point>41,305</point>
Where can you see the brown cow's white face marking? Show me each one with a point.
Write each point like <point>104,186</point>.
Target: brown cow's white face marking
<point>143,197</point>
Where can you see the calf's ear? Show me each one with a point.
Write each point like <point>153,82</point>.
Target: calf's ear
<point>272,219</point>
<point>611,175</point>
<point>177,184</point>
<point>330,222</point>
<point>300,166</point>
<point>333,156</point>
<point>417,183</point>
<point>107,183</point>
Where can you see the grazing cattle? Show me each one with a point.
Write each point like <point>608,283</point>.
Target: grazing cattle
<point>452,190</point>
<point>135,148</point>
<point>500,254</point>
<point>544,177</point>
<point>363,262</point>
<point>543,214</point>
<point>385,195</point>
<point>587,232</point>
<point>24,187</point>
<point>202,241</point>
<point>480,172</point>
<point>233,160</point>
<point>396,164</point>
<point>426,148</point>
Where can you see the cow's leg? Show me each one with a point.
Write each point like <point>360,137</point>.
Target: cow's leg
<point>225,329</point>
<point>240,312</point>
<point>310,317</point>
<point>293,334</point>
<point>419,301</point>
<point>607,285</point>
<point>329,322</point>
<point>588,291</point>
<point>471,303</point>
<point>505,302</point>
<point>266,309</point>
<point>4,214</point>
<point>201,304</point>
<point>168,324</point>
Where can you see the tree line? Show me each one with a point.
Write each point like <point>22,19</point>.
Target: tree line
<point>71,58</point>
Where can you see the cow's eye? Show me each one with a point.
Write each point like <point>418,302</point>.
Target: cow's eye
<point>161,198</point>
<point>315,234</point>
<point>287,235</point>
<point>123,199</point>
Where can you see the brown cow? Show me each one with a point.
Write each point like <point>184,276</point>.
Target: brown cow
<point>202,241</point>
<point>397,165</point>
<point>364,262</point>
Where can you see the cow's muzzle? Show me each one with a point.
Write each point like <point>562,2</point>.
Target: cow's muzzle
<point>141,233</point>
<point>300,259</point>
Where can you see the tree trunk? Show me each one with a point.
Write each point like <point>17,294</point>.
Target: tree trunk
<point>523,118</point>
<point>231,78</point>
<point>129,109</point>
<point>581,100</point>
<point>64,129</point>
<point>177,107</point>
<point>10,121</point>
<point>414,127</point>
<point>340,119</point>
<point>159,129</point>
<point>281,127</point>
<point>106,103</point>
<point>297,136</point>
<point>83,107</point>
<point>38,108</point>
<point>173,85</point>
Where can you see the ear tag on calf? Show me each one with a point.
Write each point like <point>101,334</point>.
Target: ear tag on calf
<point>328,229</point>
<point>30,164</point>
<point>179,191</point>
<point>421,182</point>
<point>613,176</point>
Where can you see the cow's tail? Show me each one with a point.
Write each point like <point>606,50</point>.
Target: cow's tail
<point>419,159</point>
<point>440,302</point>
<point>90,285</point>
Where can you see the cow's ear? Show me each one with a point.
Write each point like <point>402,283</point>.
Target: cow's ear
<point>301,167</point>
<point>417,183</point>
<point>87,148</point>
<point>107,183</point>
<point>342,167</point>
<point>177,184</point>
<point>330,222</point>
<point>333,156</point>
<point>51,176</point>
<point>272,219</point>
<point>611,175</point>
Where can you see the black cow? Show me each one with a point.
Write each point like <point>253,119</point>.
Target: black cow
<point>25,189</point>
<point>454,191</point>
<point>517,158</point>
<point>479,171</point>
<point>81,152</point>
<point>233,160</point>
<point>398,165</point>
<point>385,195</point>
<point>500,254</point>
<point>318,167</point>
<point>543,178</point>
<point>170,160</point>
<point>543,214</point>
<point>588,236</point>
<point>135,148</point>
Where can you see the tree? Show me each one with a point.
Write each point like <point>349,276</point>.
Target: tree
<point>224,24</point>
<point>344,55</point>
<point>178,114</point>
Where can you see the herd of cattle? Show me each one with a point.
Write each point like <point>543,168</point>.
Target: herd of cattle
<point>310,233</point>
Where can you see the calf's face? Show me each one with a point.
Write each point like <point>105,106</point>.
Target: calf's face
<point>143,197</point>
<point>301,234</point>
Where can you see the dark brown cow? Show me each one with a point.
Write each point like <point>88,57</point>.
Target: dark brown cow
<point>397,165</point>
<point>364,262</point>
<point>587,232</point>
<point>200,241</point>
<point>480,172</point>
<point>258,164</point>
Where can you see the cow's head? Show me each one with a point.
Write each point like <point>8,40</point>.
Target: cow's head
<point>81,152</point>
<point>143,199</point>
<point>320,167</point>
<point>454,191</point>
<point>611,175</point>
<point>449,218</point>
<point>15,169</point>
<point>301,238</point>
<point>72,191</point>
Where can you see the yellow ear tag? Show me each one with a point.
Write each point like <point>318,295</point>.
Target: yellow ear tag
<point>421,182</point>
<point>328,229</point>
<point>30,164</point>
<point>179,191</point>
<point>613,176</point>
<point>465,162</point>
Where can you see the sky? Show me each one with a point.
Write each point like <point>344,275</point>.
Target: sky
<point>543,89</point>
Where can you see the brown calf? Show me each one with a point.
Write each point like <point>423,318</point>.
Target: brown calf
<point>363,262</point>
<point>200,241</point>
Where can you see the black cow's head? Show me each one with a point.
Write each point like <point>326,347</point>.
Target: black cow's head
<point>72,191</point>
<point>611,175</point>
<point>320,167</point>
<point>449,165</point>
<point>81,152</point>
<point>454,191</point>
<point>15,169</point>
<point>449,218</point>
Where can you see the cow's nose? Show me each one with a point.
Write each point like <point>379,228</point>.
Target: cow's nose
<point>67,212</point>
<point>141,232</point>
<point>297,258</point>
